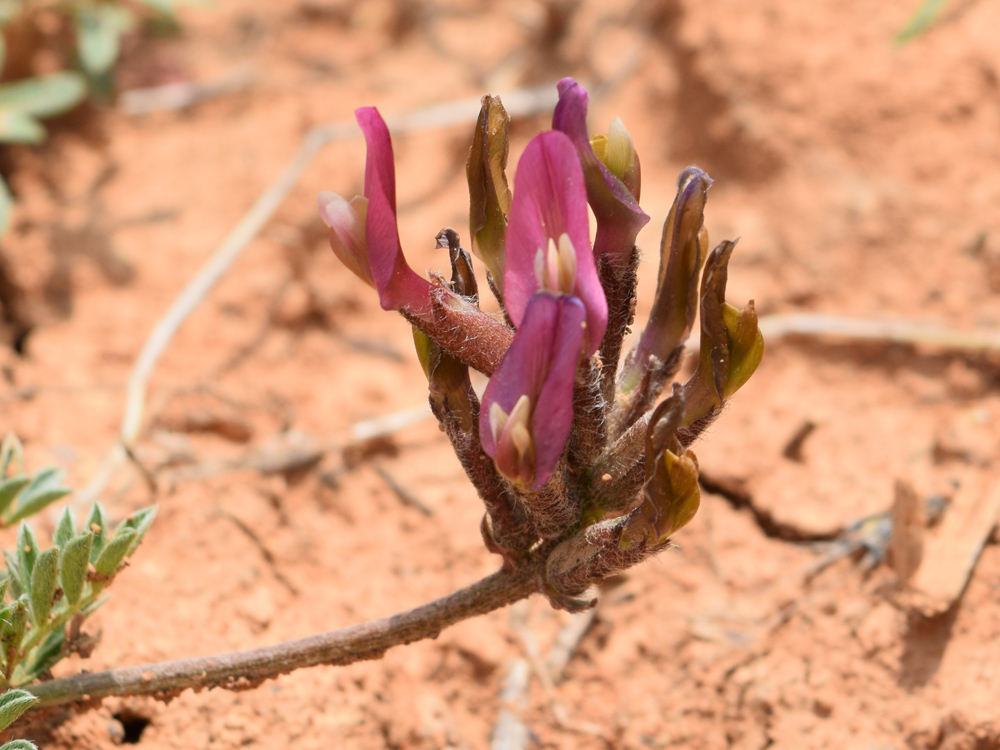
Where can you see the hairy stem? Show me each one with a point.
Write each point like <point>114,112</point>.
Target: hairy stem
<point>242,669</point>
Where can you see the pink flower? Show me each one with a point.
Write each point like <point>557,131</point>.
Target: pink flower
<point>363,231</point>
<point>548,237</point>
<point>527,408</point>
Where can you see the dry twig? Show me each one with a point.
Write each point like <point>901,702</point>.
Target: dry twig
<point>510,733</point>
<point>898,331</point>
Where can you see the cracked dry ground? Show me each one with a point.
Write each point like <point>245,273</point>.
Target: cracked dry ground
<point>863,180</point>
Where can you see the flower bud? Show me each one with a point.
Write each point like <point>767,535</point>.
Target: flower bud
<point>670,495</point>
<point>731,344</point>
<point>617,152</point>
<point>610,195</point>
<point>489,195</point>
<point>683,248</point>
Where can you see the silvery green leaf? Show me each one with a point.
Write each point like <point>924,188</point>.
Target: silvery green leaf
<point>46,655</point>
<point>17,585</point>
<point>141,520</point>
<point>26,509</point>
<point>12,629</point>
<point>19,745</point>
<point>13,703</point>
<point>27,552</point>
<point>18,127</point>
<point>65,528</point>
<point>44,96</point>
<point>163,6</point>
<point>97,522</point>
<point>95,605</point>
<point>11,453</point>
<point>45,488</point>
<point>114,552</point>
<point>75,559</point>
<point>10,488</point>
<point>43,585</point>
<point>4,583</point>
<point>99,30</point>
<point>924,17</point>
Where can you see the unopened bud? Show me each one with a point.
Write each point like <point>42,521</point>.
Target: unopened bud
<point>617,152</point>
<point>731,343</point>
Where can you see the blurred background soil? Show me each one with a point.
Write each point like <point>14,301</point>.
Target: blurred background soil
<point>863,180</point>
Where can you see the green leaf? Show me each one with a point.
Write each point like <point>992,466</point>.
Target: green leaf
<point>10,488</point>
<point>27,552</point>
<point>19,745</point>
<point>75,559</point>
<point>166,7</point>
<point>43,585</point>
<point>65,529</point>
<point>45,656</point>
<point>141,520</point>
<point>97,522</point>
<point>920,21</point>
<point>18,127</point>
<point>44,96</point>
<point>4,583</point>
<point>17,585</point>
<point>99,30</point>
<point>13,703</point>
<point>11,451</point>
<point>45,488</point>
<point>114,552</point>
<point>12,629</point>
<point>95,605</point>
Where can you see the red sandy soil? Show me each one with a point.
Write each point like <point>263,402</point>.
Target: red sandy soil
<point>864,180</point>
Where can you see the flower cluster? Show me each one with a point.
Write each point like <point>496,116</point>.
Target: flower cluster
<point>572,455</point>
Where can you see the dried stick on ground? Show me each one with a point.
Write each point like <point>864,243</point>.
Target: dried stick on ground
<point>899,331</point>
<point>243,669</point>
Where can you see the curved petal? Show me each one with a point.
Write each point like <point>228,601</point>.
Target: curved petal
<point>539,367</point>
<point>346,222</point>
<point>550,203</point>
<point>619,217</point>
<point>399,287</point>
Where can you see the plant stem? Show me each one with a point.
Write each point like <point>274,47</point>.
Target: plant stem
<point>243,669</point>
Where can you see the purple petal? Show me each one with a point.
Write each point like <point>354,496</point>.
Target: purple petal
<point>619,217</point>
<point>397,284</point>
<point>541,364</point>
<point>550,200</point>
<point>346,222</point>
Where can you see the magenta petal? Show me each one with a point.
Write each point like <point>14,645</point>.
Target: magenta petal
<point>399,287</point>
<point>619,217</point>
<point>540,363</point>
<point>550,199</point>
